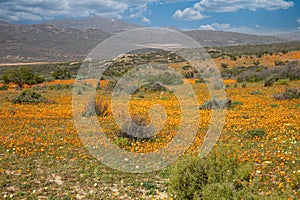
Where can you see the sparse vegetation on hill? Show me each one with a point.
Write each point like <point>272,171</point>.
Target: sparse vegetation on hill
<point>257,50</point>
<point>254,74</point>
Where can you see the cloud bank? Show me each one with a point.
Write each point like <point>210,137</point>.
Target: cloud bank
<point>39,10</point>
<point>196,12</point>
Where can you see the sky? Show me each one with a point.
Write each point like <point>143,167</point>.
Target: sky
<point>246,16</point>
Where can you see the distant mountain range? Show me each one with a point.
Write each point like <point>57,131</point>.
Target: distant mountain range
<point>292,36</point>
<point>104,24</point>
<point>72,40</point>
<point>224,38</point>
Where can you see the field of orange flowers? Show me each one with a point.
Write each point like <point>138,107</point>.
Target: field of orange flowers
<point>42,156</point>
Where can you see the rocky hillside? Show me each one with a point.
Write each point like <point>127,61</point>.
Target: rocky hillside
<point>104,24</point>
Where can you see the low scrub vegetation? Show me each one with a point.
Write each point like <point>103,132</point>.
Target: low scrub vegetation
<point>21,76</point>
<point>217,176</point>
<point>29,96</point>
<point>288,94</point>
<point>270,75</point>
<point>216,104</point>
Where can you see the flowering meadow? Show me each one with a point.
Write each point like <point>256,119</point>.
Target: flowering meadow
<point>42,156</point>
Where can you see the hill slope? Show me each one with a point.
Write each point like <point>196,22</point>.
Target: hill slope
<point>222,38</point>
<point>41,42</point>
<point>104,24</point>
<point>59,42</point>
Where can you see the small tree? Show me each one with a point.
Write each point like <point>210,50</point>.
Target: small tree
<point>61,73</point>
<point>22,75</point>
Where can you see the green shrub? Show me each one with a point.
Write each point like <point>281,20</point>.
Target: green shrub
<point>188,178</point>
<point>216,176</point>
<point>165,79</point>
<point>39,87</point>
<point>278,63</point>
<point>29,96</point>
<point>122,142</point>
<point>61,73</point>
<point>269,81</point>
<point>22,75</point>
<point>200,80</point>
<point>255,133</point>
<point>236,103</point>
<point>217,191</point>
<point>224,65</point>
<point>273,105</point>
<point>153,87</point>
<point>256,62</point>
<point>282,82</point>
<point>60,87</point>
<point>244,85</point>
<point>4,87</point>
<point>216,104</point>
<point>256,92</point>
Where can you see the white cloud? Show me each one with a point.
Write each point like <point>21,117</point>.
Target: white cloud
<point>146,20</point>
<point>199,8</point>
<point>37,10</point>
<point>139,12</point>
<point>221,26</point>
<point>207,27</point>
<point>257,30</point>
<point>188,14</point>
<point>215,26</point>
<point>15,10</point>
<point>298,20</point>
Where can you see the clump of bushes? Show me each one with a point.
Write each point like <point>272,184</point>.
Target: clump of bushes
<point>3,87</point>
<point>269,81</point>
<point>290,93</point>
<point>224,65</point>
<point>216,104</point>
<point>255,133</point>
<point>279,62</point>
<point>60,87</point>
<point>255,74</point>
<point>153,87</point>
<point>21,76</point>
<point>61,73</point>
<point>283,82</point>
<point>236,103</point>
<point>29,96</point>
<point>200,80</point>
<point>39,87</point>
<point>256,92</point>
<point>217,176</point>
<point>166,79</point>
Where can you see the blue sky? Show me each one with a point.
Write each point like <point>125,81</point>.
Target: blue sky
<point>248,16</point>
